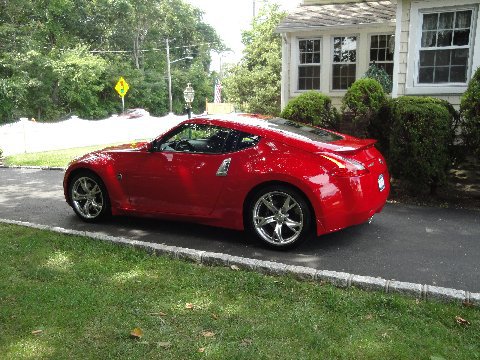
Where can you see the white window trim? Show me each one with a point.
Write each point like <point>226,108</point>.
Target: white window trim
<point>415,37</point>
<point>298,64</point>
<point>370,44</point>
<point>419,46</point>
<point>332,63</point>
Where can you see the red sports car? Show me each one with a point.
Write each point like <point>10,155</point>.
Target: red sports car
<point>278,179</point>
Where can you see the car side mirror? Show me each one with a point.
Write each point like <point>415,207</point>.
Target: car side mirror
<point>151,146</point>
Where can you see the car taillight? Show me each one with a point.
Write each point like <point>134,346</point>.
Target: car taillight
<point>344,166</point>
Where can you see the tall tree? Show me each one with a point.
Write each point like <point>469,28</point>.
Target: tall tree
<point>64,56</point>
<point>254,84</point>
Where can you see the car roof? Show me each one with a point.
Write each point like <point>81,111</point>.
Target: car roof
<point>256,125</point>
<point>238,121</point>
<point>251,123</point>
<point>259,125</point>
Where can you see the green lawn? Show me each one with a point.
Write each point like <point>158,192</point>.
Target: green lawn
<point>66,297</point>
<point>55,158</point>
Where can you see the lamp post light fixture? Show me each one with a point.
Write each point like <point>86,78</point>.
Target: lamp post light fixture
<point>189,95</point>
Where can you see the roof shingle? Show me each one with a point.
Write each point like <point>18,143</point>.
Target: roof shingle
<point>309,17</point>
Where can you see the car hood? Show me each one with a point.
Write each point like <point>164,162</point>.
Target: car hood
<point>105,154</point>
<point>133,146</point>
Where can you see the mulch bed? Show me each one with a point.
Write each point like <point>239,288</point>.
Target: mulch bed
<point>461,191</point>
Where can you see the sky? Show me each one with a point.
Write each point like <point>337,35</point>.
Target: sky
<point>229,18</point>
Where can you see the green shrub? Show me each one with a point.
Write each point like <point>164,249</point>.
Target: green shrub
<point>1,153</point>
<point>380,127</point>
<point>362,103</point>
<point>421,138</point>
<point>470,113</point>
<point>313,108</point>
<point>379,74</point>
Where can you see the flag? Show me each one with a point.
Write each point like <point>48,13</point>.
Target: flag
<point>217,94</point>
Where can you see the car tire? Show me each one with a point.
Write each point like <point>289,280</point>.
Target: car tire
<point>279,216</point>
<point>88,197</point>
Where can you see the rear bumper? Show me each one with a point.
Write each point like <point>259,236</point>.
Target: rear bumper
<point>354,202</point>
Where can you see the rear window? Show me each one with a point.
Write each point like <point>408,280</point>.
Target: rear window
<point>239,140</point>
<point>303,130</point>
<point>246,140</point>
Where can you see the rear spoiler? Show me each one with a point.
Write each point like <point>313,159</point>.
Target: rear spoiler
<point>351,147</point>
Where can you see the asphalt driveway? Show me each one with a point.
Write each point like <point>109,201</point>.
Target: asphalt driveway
<point>414,244</point>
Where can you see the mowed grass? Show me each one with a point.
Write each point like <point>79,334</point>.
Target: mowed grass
<point>67,297</point>
<point>54,158</point>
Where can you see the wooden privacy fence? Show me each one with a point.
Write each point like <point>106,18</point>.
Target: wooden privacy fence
<point>219,108</point>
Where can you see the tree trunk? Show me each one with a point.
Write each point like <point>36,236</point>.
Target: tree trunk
<point>55,93</point>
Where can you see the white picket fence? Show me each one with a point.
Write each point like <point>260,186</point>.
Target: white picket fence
<point>26,136</point>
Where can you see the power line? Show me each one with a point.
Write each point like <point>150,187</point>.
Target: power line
<point>149,50</point>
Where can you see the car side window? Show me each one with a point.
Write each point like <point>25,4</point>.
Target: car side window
<point>246,140</point>
<point>239,140</point>
<point>196,138</point>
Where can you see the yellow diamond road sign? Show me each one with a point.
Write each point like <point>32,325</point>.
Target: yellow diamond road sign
<point>122,87</point>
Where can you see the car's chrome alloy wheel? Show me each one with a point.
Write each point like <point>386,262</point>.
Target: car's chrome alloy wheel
<point>278,218</point>
<point>87,197</point>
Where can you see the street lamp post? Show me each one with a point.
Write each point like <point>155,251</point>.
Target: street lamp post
<point>169,74</point>
<point>189,95</point>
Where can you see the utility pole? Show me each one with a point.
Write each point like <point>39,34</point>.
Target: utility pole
<point>169,74</point>
<point>254,9</point>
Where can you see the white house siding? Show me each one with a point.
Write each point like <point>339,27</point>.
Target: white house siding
<point>401,48</point>
<point>285,76</point>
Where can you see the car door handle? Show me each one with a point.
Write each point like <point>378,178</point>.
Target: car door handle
<point>224,166</point>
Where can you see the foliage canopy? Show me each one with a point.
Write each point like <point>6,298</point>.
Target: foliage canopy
<point>254,84</point>
<point>470,112</point>
<point>313,108</point>
<point>362,104</point>
<point>65,56</point>
<point>421,138</point>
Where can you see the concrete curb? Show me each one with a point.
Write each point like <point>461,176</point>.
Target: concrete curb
<point>31,167</point>
<point>338,279</point>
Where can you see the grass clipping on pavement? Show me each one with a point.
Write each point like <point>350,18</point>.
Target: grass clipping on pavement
<point>70,297</point>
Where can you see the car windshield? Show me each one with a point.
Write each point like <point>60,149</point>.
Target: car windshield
<point>303,130</point>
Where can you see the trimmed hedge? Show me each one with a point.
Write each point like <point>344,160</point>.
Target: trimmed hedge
<point>380,127</point>
<point>470,112</point>
<point>364,98</point>
<point>421,139</point>
<point>312,108</point>
<point>362,103</point>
